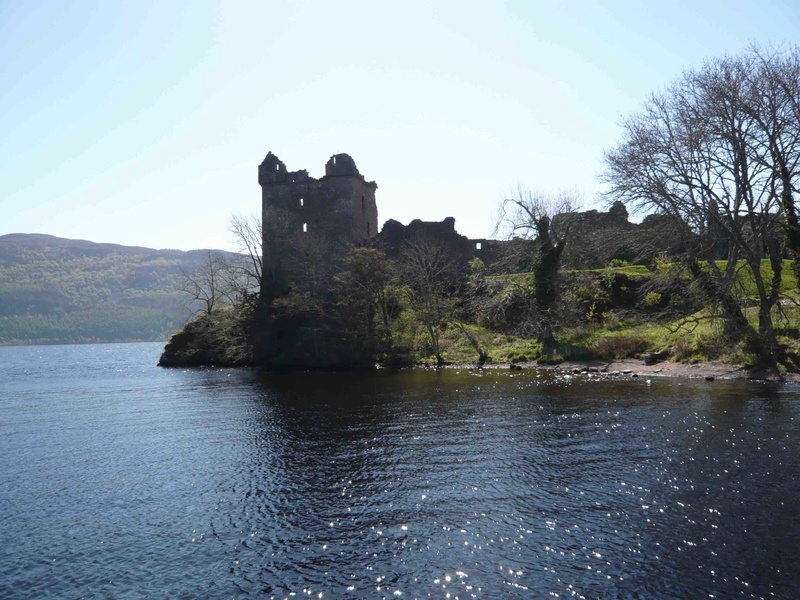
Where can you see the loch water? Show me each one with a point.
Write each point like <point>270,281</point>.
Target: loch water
<point>119,479</point>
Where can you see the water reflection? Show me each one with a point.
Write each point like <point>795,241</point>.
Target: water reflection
<point>422,483</point>
<point>234,483</point>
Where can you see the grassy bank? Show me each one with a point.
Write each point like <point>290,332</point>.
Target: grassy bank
<point>639,329</point>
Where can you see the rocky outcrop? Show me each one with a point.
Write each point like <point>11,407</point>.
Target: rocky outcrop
<point>219,339</point>
<point>255,336</point>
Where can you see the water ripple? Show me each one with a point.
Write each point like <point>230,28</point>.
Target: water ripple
<point>121,480</point>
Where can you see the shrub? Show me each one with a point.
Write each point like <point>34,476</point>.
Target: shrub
<point>710,346</point>
<point>621,346</point>
<point>663,263</point>
<point>652,300</point>
<point>682,350</point>
<point>552,358</point>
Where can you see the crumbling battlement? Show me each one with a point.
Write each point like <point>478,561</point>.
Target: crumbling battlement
<point>395,236</point>
<point>273,171</point>
<point>342,203</point>
<point>594,238</point>
<point>617,216</point>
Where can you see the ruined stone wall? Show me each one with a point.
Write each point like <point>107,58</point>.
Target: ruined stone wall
<point>395,237</point>
<point>595,238</point>
<point>364,209</point>
<point>499,256</point>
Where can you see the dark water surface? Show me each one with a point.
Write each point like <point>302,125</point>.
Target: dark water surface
<point>122,480</point>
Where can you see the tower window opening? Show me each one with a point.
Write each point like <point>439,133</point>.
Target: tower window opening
<point>305,227</point>
<point>477,245</point>
<point>301,202</point>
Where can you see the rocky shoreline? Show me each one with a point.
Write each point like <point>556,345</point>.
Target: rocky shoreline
<point>634,368</point>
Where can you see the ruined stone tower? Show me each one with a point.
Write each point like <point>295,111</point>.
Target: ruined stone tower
<point>336,209</point>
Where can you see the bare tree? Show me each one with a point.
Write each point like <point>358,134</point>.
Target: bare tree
<point>716,150</point>
<point>774,104</point>
<point>433,275</point>
<point>247,233</point>
<point>530,214</point>
<point>519,213</point>
<point>366,277</point>
<point>360,307</point>
<point>207,285</point>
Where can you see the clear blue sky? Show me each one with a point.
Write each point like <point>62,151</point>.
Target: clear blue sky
<point>143,123</point>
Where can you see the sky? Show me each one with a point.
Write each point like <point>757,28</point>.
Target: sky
<point>143,122</point>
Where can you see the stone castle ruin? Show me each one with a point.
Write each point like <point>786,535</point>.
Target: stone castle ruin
<point>340,209</point>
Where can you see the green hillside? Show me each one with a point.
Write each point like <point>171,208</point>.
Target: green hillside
<point>56,290</point>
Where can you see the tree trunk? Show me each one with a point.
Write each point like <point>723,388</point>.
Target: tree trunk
<point>473,341</point>
<point>736,324</point>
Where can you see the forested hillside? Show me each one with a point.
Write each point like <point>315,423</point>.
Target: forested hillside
<point>56,290</point>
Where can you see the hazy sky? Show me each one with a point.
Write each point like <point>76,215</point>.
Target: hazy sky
<point>143,123</point>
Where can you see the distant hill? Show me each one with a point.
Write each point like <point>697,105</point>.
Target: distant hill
<point>56,290</point>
